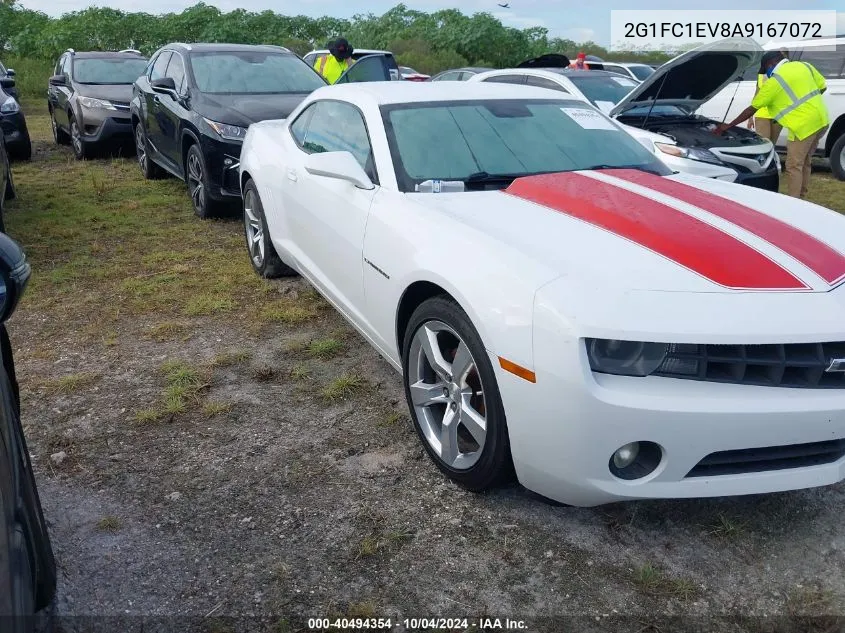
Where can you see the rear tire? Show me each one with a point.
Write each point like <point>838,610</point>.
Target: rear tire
<point>837,158</point>
<point>449,396</point>
<point>149,169</point>
<point>262,254</point>
<point>60,137</point>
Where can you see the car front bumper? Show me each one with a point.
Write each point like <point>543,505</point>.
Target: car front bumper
<point>565,427</point>
<point>222,159</point>
<point>103,126</point>
<point>14,129</point>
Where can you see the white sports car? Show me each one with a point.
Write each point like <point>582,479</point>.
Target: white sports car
<point>561,306</point>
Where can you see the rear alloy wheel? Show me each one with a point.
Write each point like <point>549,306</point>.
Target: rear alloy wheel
<point>142,151</point>
<point>837,158</point>
<point>60,137</point>
<point>265,260</point>
<point>454,400</point>
<point>196,178</point>
<point>76,142</point>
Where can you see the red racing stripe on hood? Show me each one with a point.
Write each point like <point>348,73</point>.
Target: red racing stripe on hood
<point>813,253</point>
<point>685,240</point>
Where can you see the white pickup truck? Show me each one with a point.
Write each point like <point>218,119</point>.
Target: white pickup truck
<point>828,56</point>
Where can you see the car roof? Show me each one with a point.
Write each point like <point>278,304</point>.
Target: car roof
<point>392,92</point>
<point>107,55</point>
<point>625,64</point>
<point>226,48</point>
<point>367,51</point>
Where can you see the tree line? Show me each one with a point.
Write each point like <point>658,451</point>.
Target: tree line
<point>429,42</point>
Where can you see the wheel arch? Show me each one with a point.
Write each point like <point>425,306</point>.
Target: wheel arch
<point>836,130</point>
<point>189,137</point>
<point>245,178</point>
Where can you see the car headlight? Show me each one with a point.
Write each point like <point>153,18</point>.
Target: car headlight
<point>692,153</point>
<point>226,131</point>
<point>9,106</point>
<point>101,104</point>
<point>625,358</point>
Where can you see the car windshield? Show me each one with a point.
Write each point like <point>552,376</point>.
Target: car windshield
<point>253,72</point>
<point>108,71</point>
<point>455,141</point>
<point>602,89</point>
<point>641,71</point>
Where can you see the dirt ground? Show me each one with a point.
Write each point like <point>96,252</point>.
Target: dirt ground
<point>246,474</point>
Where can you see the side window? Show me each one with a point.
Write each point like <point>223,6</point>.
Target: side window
<point>507,79</point>
<point>59,66</point>
<point>452,76</point>
<point>160,65</point>
<point>300,125</point>
<point>336,127</point>
<point>542,82</point>
<point>66,65</point>
<point>372,68</point>
<point>310,58</point>
<point>176,71</point>
<point>828,63</point>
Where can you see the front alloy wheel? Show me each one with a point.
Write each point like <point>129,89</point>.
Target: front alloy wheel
<point>195,179</point>
<point>452,393</point>
<point>76,140</point>
<point>265,260</point>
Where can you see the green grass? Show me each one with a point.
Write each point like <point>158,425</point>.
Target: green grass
<point>109,524</point>
<point>652,581</point>
<point>31,76</point>
<point>343,387</point>
<point>325,348</point>
<point>70,383</point>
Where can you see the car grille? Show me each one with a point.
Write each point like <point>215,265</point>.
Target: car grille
<point>756,460</point>
<point>797,365</point>
<point>121,105</point>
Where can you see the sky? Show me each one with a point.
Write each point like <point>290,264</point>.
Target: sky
<point>579,20</point>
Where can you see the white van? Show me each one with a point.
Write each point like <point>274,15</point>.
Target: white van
<point>737,96</point>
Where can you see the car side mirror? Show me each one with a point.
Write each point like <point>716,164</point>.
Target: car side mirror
<point>58,80</point>
<point>10,72</point>
<point>7,82</point>
<point>14,275</point>
<point>339,165</point>
<point>165,85</point>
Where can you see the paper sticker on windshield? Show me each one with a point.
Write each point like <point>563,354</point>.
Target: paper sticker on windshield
<point>588,119</point>
<point>622,81</point>
<point>605,106</point>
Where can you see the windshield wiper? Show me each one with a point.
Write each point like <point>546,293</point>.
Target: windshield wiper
<point>481,177</point>
<point>637,167</point>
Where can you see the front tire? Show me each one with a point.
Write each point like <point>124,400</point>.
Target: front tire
<point>196,179</point>
<point>80,149</point>
<point>262,254</point>
<point>837,158</point>
<point>453,397</point>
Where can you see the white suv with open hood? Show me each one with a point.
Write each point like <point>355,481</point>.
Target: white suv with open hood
<point>660,111</point>
<point>827,54</point>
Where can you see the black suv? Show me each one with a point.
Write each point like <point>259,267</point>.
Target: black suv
<point>88,98</point>
<point>192,107</point>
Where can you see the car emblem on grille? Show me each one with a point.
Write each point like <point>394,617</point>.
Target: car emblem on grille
<point>836,365</point>
<point>761,159</point>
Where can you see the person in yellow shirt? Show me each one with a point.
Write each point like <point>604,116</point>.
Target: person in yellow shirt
<point>793,95</point>
<point>762,120</point>
<point>338,61</point>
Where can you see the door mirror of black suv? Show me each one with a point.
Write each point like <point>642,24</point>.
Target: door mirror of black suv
<point>10,72</point>
<point>7,82</point>
<point>165,85</point>
<point>58,80</point>
<point>14,275</point>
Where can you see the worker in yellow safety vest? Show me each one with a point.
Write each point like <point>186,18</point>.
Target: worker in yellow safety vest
<point>793,95</point>
<point>333,65</point>
<point>762,120</point>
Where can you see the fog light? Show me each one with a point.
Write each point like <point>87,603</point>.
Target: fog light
<point>227,161</point>
<point>635,460</point>
<point>626,455</point>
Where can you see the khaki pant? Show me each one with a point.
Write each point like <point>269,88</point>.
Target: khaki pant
<point>768,128</point>
<point>799,155</point>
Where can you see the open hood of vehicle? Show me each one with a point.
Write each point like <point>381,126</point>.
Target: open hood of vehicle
<point>549,60</point>
<point>694,77</point>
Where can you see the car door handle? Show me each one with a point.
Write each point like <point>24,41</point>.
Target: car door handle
<point>291,174</point>
<point>156,99</point>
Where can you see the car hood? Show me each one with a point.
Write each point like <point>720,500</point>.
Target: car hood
<point>244,110</point>
<point>631,230</point>
<point>120,92</point>
<point>692,78</point>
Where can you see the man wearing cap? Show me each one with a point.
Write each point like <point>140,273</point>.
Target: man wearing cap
<point>793,96</point>
<point>581,62</point>
<point>333,65</point>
